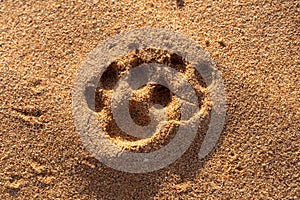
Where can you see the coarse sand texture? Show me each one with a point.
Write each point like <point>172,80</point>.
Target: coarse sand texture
<point>255,46</point>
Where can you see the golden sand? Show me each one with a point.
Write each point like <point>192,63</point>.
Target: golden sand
<point>255,45</point>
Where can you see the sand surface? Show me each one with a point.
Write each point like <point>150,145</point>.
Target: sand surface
<point>255,45</point>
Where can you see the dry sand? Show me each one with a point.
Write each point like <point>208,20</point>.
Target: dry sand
<point>256,47</point>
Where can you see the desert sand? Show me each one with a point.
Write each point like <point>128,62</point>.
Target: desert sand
<point>255,45</point>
